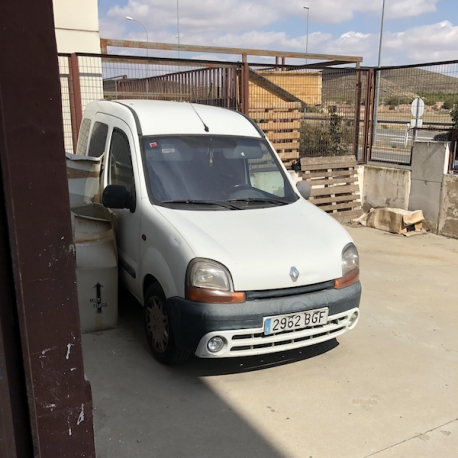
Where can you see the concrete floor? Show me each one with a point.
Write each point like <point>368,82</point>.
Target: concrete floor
<point>387,389</point>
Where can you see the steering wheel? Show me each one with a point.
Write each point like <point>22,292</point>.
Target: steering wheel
<point>238,187</point>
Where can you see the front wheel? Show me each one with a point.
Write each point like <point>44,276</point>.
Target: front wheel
<point>158,328</point>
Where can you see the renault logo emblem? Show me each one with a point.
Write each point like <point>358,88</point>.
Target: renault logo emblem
<point>294,274</point>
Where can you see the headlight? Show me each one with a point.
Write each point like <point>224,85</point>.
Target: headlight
<point>209,281</point>
<point>350,267</point>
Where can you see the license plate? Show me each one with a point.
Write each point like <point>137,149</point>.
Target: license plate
<point>279,323</point>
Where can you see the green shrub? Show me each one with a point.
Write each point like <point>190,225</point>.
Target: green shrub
<point>454,115</point>
<point>330,137</point>
<point>311,109</point>
<point>395,100</point>
<point>447,105</point>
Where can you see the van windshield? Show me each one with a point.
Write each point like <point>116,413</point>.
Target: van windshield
<point>204,172</point>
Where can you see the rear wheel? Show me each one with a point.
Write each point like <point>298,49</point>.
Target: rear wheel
<point>158,328</point>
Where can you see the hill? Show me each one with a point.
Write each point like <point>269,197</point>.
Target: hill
<point>403,84</point>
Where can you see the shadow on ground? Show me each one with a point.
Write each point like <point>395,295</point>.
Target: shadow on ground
<point>144,409</point>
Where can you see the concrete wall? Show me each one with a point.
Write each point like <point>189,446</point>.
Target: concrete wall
<point>385,187</point>
<point>427,186</point>
<point>448,214</point>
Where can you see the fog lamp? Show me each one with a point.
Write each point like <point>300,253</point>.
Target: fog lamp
<point>353,319</point>
<point>215,344</point>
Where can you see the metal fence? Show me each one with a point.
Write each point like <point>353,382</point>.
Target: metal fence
<point>414,103</point>
<point>305,110</point>
<point>128,77</point>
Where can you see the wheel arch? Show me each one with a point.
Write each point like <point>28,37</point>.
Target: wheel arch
<point>147,282</point>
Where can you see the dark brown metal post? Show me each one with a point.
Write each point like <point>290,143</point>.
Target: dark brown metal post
<point>15,434</point>
<point>453,150</point>
<point>103,46</point>
<point>367,116</point>
<point>74,89</point>
<point>245,85</point>
<point>104,43</point>
<point>372,78</point>
<point>38,233</point>
<point>358,116</point>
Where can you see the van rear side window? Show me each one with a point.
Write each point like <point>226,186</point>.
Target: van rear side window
<point>83,137</point>
<point>98,139</point>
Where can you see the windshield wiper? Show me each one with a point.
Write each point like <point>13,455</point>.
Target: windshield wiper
<point>219,203</point>
<point>260,200</point>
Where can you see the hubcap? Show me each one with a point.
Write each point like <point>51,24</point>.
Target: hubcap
<point>157,324</point>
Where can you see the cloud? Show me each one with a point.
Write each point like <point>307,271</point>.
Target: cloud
<point>352,43</point>
<point>251,24</point>
<point>198,17</point>
<point>427,43</point>
<point>409,8</point>
<point>223,16</point>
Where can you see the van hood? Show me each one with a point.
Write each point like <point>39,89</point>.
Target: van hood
<point>260,246</point>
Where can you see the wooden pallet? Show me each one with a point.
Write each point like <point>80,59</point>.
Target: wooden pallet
<point>281,123</point>
<point>334,182</point>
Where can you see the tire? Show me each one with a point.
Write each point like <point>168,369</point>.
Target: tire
<point>158,329</point>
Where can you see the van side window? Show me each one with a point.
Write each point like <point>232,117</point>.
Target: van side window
<point>98,139</point>
<point>83,136</point>
<point>120,162</point>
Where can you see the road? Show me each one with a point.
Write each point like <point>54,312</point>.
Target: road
<point>391,145</point>
<point>398,136</point>
<point>388,389</point>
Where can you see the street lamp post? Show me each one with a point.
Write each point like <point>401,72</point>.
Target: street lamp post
<point>147,53</point>
<point>146,31</point>
<point>178,29</point>
<point>307,37</point>
<point>379,74</point>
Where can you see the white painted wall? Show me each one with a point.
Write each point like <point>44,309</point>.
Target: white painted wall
<point>77,26</point>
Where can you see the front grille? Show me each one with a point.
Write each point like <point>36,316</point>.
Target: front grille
<point>273,293</point>
<point>246,343</point>
<point>250,342</point>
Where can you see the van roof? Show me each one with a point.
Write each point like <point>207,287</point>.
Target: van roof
<point>159,117</point>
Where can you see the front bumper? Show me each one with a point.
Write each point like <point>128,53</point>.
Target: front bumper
<point>193,323</point>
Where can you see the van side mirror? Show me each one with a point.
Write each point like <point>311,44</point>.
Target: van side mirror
<point>304,188</point>
<point>117,196</point>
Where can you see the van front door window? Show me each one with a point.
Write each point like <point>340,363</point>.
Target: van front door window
<point>120,170</point>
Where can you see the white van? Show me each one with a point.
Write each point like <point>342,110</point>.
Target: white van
<point>213,238</point>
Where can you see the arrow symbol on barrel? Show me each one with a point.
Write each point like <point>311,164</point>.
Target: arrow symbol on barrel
<point>99,287</point>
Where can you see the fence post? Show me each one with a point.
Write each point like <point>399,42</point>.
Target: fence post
<point>36,248</point>
<point>357,117</point>
<point>103,46</point>
<point>74,89</point>
<point>245,85</point>
<point>367,144</point>
<point>453,150</point>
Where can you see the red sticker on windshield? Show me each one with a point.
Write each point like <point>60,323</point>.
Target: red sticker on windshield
<point>153,145</point>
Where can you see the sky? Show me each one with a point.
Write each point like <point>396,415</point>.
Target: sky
<point>415,31</point>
